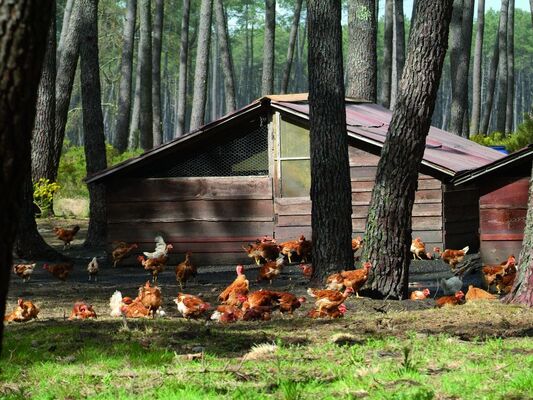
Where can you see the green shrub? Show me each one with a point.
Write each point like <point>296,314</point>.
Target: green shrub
<point>43,194</point>
<point>512,142</point>
<point>72,169</point>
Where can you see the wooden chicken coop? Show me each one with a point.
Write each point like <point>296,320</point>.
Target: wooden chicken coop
<point>247,175</point>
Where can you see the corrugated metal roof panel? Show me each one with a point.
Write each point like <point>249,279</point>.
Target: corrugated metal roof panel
<point>443,149</point>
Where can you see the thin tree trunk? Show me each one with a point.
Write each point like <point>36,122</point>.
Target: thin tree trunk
<point>156,72</point>
<point>290,49</point>
<point>93,122</point>
<point>330,173</point>
<point>182,80</point>
<point>42,154</point>
<point>133,140</point>
<point>398,56</point>
<point>145,59</point>
<point>66,72</point>
<point>388,228</point>
<point>64,27</point>
<point>362,55</point>
<point>386,69</point>
<point>226,58</point>
<point>22,46</point>
<point>126,72</point>
<point>267,82</point>
<point>491,85</point>
<point>476,70</point>
<point>202,65</point>
<point>501,105</point>
<point>510,71</point>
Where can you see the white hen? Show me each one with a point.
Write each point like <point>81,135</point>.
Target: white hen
<point>115,302</point>
<point>161,248</point>
<point>92,269</point>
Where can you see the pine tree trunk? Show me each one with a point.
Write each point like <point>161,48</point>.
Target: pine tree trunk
<point>69,4</point>
<point>133,139</point>
<point>476,70</point>
<point>267,82</point>
<point>398,53</point>
<point>388,228</point>
<point>156,72</point>
<point>202,66</point>
<point>226,58</point>
<point>182,80</point>
<point>25,25</point>
<point>290,49</point>
<point>510,71</point>
<point>42,154</point>
<point>93,122</point>
<point>491,85</point>
<point>522,291</point>
<point>501,105</point>
<point>330,173</point>
<point>66,71</point>
<point>362,56</point>
<point>386,69</point>
<point>145,59</point>
<point>126,72</point>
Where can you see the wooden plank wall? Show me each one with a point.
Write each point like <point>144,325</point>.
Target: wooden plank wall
<point>294,214</point>
<point>212,217</point>
<point>502,219</point>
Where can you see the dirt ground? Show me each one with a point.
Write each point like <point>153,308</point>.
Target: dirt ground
<point>368,316</point>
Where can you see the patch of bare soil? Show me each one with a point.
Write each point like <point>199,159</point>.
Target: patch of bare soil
<point>365,317</point>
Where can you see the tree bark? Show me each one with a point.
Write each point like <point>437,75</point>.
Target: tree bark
<point>386,69</point>
<point>510,69</point>
<point>226,58</point>
<point>202,66</point>
<point>133,140</point>
<point>64,27</point>
<point>476,70</point>
<point>182,80</point>
<point>145,58</point>
<point>388,228</point>
<point>460,43</point>
<point>362,56</point>
<point>292,43</point>
<point>330,172</point>
<point>66,71</point>
<point>156,72</point>
<point>126,73</point>
<point>501,105</point>
<point>398,53</point>
<point>42,154</point>
<point>491,85</point>
<point>93,122</point>
<point>22,46</point>
<point>267,81</point>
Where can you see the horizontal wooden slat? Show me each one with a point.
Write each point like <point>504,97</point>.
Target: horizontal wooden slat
<point>292,232</point>
<point>192,210</point>
<point>424,184</point>
<point>428,236</point>
<point>292,206</point>
<point>361,158</point>
<point>501,236</point>
<point>427,210</point>
<point>512,195</point>
<point>173,231</point>
<point>172,189</point>
<point>363,173</point>
<point>427,223</point>
<point>501,220</point>
<point>362,186</point>
<point>428,196</point>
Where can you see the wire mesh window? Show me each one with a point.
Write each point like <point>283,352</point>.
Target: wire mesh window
<point>242,156</point>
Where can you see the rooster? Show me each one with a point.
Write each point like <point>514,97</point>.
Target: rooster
<point>329,299</point>
<point>24,312</point>
<point>161,249</point>
<point>271,269</point>
<point>335,312</point>
<point>240,286</point>
<point>154,265</point>
<point>150,297</point>
<point>191,306</point>
<point>185,270</point>
<point>82,310</point>
<point>92,269</point>
<point>456,299</point>
<point>419,294</point>
<point>66,235</point>
<point>24,271</point>
<point>354,279</point>
<point>451,257</point>
<point>60,271</point>
<point>475,293</point>
<point>121,251</point>
<point>307,270</point>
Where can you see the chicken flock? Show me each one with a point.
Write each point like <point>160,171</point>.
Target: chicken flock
<point>237,301</point>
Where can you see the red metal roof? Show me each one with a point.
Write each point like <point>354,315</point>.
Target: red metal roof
<point>448,152</point>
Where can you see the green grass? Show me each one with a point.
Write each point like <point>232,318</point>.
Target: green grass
<point>100,360</point>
